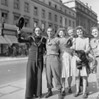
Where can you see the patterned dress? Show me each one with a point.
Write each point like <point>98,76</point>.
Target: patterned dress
<point>65,56</point>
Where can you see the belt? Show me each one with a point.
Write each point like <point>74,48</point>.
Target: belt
<point>97,56</point>
<point>53,55</point>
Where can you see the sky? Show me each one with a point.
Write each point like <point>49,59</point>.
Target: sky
<point>93,3</point>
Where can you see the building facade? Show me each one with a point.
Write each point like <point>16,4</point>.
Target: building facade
<point>42,13</point>
<point>85,16</point>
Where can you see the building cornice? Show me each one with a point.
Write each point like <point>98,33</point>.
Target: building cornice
<point>86,14</point>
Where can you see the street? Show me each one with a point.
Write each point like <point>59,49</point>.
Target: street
<point>12,82</point>
<point>12,71</point>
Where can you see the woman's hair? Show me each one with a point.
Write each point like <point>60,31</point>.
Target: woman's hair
<point>82,28</point>
<point>70,28</point>
<point>50,28</point>
<point>35,28</point>
<point>60,29</point>
<point>94,28</point>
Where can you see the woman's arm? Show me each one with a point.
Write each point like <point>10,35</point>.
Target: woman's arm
<point>23,40</point>
<point>87,46</point>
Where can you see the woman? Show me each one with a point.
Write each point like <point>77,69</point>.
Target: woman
<point>35,63</point>
<point>71,34</point>
<point>81,44</point>
<point>65,56</point>
<point>94,43</point>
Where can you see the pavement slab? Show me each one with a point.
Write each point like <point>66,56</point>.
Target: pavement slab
<point>16,90</point>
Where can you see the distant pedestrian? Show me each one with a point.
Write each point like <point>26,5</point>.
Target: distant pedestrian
<point>35,63</point>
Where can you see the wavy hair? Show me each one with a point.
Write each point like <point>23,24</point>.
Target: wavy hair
<point>82,28</point>
<point>60,29</point>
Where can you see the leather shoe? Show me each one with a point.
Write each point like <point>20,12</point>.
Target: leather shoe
<point>48,94</point>
<point>69,90</point>
<point>85,96</point>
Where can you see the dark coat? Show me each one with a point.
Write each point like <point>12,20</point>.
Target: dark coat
<point>83,57</point>
<point>34,65</point>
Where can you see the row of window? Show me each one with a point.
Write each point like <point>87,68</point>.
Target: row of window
<point>16,4</point>
<point>26,5</point>
<point>27,21</point>
<point>26,9</point>
<point>43,15</point>
<point>61,8</point>
<point>86,9</point>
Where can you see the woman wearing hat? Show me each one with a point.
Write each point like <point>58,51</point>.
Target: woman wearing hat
<point>35,63</point>
<point>81,44</point>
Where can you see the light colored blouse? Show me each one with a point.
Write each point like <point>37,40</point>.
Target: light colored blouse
<point>82,44</point>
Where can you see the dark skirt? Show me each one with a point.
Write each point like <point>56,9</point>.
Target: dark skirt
<point>34,78</point>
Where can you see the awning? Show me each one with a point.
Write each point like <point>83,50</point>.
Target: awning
<point>11,39</point>
<point>2,40</point>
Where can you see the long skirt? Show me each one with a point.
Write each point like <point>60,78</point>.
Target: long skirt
<point>66,65</point>
<point>34,78</point>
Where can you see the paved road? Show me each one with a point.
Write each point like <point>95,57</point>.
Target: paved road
<point>12,70</point>
<point>15,70</point>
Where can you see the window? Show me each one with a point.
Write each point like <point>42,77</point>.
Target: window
<point>16,4</point>
<point>35,11</point>
<point>65,21</point>
<point>5,16</point>
<point>43,13</point>
<point>55,6</point>
<point>70,13</point>
<point>35,23</point>
<point>65,11</point>
<point>55,18</point>
<point>16,17</point>
<point>69,22</point>
<point>26,23</point>
<point>43,26</point>
<point>73,24</point>
<point>26,7</point>
<point>4,2</point>
<point>61,19</point>
<point>56,28</point>
<point>49,3</point>
<point>50,16</point>
<point>61,8</point>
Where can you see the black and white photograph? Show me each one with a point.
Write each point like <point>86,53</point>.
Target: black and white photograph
<point>49,49</point>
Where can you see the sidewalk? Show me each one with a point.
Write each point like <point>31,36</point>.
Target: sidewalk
<point>2,59</point>
<point>16,90</point>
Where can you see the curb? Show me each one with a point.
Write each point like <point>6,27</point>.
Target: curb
<point>11,59</point>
